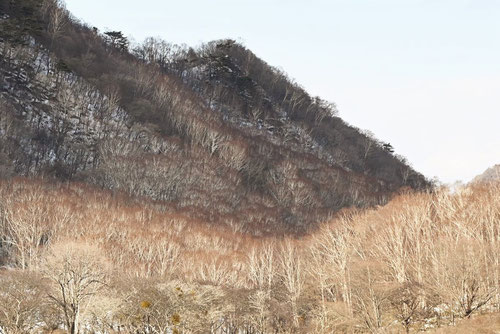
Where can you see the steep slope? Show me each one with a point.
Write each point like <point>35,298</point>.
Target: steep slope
<point>214,132</point>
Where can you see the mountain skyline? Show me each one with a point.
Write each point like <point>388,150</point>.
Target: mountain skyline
<point>428,86</point>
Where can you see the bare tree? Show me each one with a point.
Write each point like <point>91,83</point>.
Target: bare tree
<point>406,302</point>
<point>369,144</point>
<point>335,248</point>
<point>57,19</point>
<point>460,278</point>
<point>25,226</point>
<point>292,275</point>
<point>21,301</point>
<point>392,248</point>
<point>370,299</point>
<point>261,273</point>
<point>77,273</point>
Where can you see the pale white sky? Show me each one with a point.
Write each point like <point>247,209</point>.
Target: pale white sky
<point>423,75</point>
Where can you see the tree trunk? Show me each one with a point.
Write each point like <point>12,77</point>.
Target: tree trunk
<point>75,324</point>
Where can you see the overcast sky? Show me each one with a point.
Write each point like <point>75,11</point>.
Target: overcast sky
<point>423,75</point>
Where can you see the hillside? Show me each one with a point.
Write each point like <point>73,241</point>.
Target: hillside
<point>83,258</point>
<point>156,188</point>
<point>214,132</point>
<point>492,174</point>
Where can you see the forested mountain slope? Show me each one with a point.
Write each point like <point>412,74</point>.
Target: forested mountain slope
<point>154,188</point>
<point>86,260</point>
<point>214,132</point>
